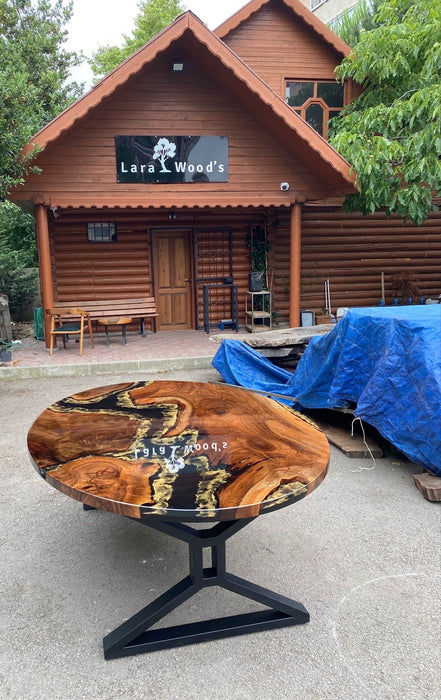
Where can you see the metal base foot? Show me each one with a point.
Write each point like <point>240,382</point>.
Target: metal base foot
<point>134,635</point>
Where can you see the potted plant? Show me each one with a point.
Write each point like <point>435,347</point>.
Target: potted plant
<point>5,351</point>
<point>258,245</point>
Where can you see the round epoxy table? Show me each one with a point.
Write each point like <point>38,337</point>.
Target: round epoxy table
<point>168,454</point>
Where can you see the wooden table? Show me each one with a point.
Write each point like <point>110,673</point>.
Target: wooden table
<point>168,453</point>
<point>122,321</point>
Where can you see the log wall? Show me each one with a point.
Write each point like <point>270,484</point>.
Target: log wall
<point>85,270</point>
<point>353,250</point>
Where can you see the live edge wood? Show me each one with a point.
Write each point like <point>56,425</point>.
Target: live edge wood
<point>184,450</point>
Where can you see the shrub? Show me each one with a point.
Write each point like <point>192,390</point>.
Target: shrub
<point>16,281</point>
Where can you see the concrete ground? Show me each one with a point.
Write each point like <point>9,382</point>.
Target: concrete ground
<point>361,553</point>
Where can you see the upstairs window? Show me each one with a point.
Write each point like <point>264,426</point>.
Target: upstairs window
<point>316,102</point>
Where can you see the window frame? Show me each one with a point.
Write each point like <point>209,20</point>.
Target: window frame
<point>92,228</point>
<point>301,111</point>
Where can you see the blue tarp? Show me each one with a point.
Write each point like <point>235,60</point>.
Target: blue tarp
<point>241,365</point>
<point>386,360</point>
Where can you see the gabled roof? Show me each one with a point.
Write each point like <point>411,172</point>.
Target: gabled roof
<point>296,136</point>
<point>299,10</point>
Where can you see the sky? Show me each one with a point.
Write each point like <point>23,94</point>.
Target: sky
<point>103,22</point>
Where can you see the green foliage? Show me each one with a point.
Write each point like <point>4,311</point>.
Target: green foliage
<point>34,31</point>
<point>352,23</point>
<point>152,17</point>
<point>34,78</point>
<point>19,118</point>
<point>18,252</point>
<point>392,133</point>
<point>258,245</point>
<point>15,281</point>
<point>17,232</point>
<point>363,17</point>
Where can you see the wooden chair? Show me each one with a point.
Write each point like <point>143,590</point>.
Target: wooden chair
<point>61,325</point>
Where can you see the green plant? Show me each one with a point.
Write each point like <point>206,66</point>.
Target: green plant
<point>17,232</point>
<point>16,281</point>
<point>5,346</point>
<point>258,245</point>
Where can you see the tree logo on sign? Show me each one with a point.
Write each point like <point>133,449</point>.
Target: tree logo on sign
<point>164,149</point>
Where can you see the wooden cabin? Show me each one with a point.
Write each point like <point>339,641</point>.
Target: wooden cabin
<point>158,180</point>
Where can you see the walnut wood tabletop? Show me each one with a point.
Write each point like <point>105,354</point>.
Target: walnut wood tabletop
<point>167,453</point>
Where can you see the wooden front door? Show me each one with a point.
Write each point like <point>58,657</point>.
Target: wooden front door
<point>173,285</point>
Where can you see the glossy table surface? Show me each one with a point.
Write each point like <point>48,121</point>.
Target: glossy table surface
<point>182,451</point>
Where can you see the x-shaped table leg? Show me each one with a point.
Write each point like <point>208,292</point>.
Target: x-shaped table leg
<point>135,636</point>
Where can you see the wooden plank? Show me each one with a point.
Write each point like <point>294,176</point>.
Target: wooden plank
<point>429,485</point>
<point>351,446</point>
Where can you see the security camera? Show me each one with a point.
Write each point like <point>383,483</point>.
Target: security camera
<point>284,186</point>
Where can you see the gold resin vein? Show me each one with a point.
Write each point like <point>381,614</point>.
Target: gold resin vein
<point>209,485</point>
<point>163,488</point>
<point>286,491</point>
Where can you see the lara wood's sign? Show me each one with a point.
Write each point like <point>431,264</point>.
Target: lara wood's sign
<point>165,159</point>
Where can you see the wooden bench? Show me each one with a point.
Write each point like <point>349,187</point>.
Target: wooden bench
<point>142,308</point>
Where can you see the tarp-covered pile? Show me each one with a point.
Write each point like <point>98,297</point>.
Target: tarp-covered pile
<point>385,360</point>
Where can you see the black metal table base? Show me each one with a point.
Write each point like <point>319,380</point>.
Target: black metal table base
<point>123,334</point>
<point>135,636</point>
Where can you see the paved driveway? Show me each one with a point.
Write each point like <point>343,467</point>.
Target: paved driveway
<point>361,553</point>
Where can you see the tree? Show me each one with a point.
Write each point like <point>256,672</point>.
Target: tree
<point>153,15</point>
<point>19,119</point>
<point>363,17</point>
<point>34,80</point>
<point>16,281</point>
<point>358,19</point>
<point>17,233</point>
<point>391,134</point>
<point>163,150</point>
<point>34,88</point>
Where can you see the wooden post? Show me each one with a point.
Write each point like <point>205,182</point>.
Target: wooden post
<point>47,293</point>
<point>294,265</point>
